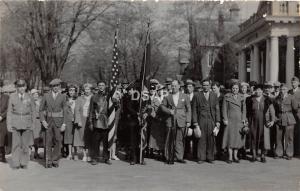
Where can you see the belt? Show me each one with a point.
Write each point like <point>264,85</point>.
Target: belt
<point>18,113</point>
<point>55,114</point>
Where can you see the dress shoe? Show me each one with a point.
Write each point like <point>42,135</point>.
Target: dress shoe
<point>23,166</point>
<point>48,166</point>
<point>143,163</point>
<point>229,161</point>
<point>3,160</point>
<point>107,162</point>
<point>171,162</point>
<point>210,161</point>
<point>236,160</point>
<point>94,162</point>
<point>200,162</point>
<point>253,159</point>
<point>181,161</point>
<point>16,167</point>
<point>288,158</point>
<point>132,163</point>
<point>263,160</point>
<point>55,165</point>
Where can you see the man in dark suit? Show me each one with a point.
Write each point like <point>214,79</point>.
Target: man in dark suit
<point>177,107</point>
<point>3,129</point>
<point>98,124</point>
<point>206,116</point>
<point>52,115</point>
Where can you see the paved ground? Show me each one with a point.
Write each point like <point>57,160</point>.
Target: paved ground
<point>77,175</point>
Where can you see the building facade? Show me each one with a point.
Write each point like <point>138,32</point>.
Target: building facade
<point>269,43</point>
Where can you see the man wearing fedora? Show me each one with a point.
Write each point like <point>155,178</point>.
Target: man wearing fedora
<point>3,129</point>
<point>20,121</point>
<point>52,115</point>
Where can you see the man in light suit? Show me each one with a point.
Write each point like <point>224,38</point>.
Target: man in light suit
<point>177,107</point>
<point>20,121</point>
<point>52,115</point>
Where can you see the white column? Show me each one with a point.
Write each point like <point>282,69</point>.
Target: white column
<point>242,66</point>
<point>255,67</point>
<point>267,59</point>
<point>252,66</point>
<point>290,60</point>
<point>274,61</point>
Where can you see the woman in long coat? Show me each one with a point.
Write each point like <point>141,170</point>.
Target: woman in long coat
<point>234,117</point>
<point>70,118</point>
<point>261,116</point>
<point>81,114</point>
<point>157,134</point>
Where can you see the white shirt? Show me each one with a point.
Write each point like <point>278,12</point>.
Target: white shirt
<point>54,95</point>
<point>21,96</point>
<point>191,96</point>
<point>206,95</point>
<point>175,98</point>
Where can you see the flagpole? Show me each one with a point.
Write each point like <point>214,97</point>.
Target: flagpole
<point>140,99</point>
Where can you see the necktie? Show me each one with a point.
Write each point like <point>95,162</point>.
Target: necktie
<point>21,97</point>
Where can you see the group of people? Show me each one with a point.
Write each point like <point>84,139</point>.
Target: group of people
<point>179,121</point>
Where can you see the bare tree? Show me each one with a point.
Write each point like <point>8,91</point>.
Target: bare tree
<point>53,28</point>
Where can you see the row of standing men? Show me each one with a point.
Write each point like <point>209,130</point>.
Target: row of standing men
<point>177,117</point>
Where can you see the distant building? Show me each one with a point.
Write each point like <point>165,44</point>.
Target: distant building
<point>269,43</point>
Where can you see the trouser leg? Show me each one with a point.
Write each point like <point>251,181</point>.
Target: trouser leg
<point>95,144</point>
<point>26,136</point>
<point>57,144</point>
<point>104,140</point>
<point>49,144</point>
<point>289,140</point>
<point>202,145</point>
<point>16,148</point>
<point>210,145</point>
<point>279,139</point>
<point>179,148</point>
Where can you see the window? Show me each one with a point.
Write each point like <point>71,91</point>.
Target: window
<point>283,7</point>
<point>298,7</point>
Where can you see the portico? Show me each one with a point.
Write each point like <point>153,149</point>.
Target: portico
<point>269,43</point>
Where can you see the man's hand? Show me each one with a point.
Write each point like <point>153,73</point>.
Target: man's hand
<point>225,122</point>
<point>270,124</point>
<point>188,124</point>
<point>172,111</point>
<point>1,118</point>
<point>45,124</point>
<point>63,127</point>
<point>218,125</point>
<point>216,131</point>
<point>197,131</point>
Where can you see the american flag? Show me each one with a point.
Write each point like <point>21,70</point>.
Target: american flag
<point>114,81</point>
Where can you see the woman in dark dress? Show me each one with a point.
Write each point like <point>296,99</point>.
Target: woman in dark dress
<point>261,116</point>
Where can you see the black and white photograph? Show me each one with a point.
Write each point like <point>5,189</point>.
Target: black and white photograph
<point>149,95</point>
